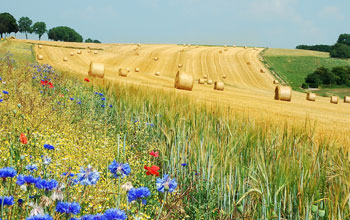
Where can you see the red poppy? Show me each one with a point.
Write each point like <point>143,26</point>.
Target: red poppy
<point>153,170</point>
<point>23,139</point>
<point>87,79</point>
<point>44,82</point>
<point>50,85</point>
<point>154,154</point>
<point>61,95</point>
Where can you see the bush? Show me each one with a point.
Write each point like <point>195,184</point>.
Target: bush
<point>321,47</point>
<point>305,86</point>
<point>337,76</point>
<point>340,51</point>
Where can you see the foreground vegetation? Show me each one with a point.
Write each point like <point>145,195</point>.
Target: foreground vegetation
<point>293,67</point>
<point>65,132</point>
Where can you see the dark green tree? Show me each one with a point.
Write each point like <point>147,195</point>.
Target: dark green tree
<point>97,41</point>
<point>89,40</point>
<point>344,39</point>
<point>64,33</point>
<point>39,28</point>
<point>313,80</point>
<point>343,75</point>
<point>340,51</point>
<point>24,25</point>
<point>8,24</point>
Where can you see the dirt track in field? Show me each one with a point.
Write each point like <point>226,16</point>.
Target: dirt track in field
<point>246,88</point>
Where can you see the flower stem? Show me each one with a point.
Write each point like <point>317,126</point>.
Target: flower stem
<point>161,208</point>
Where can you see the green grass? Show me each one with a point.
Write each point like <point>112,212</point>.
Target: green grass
<point>293,67</point>
<point>20,51</point>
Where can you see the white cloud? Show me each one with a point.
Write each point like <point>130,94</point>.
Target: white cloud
<point>332,12</point>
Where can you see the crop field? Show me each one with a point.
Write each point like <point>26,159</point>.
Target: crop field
<point>108,144</point>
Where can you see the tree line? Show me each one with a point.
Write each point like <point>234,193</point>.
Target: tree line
<point>339,76</point>
<point>341,49</point>
<point>8,24</point>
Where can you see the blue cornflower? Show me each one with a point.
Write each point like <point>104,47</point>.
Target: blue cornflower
<point>119,169</point>
<point>184,164</point>
<point>6,200</point>
<point>22,179</point>
<point>46,184</point>
<point>7,172</point>
<point>32,167</point>
<point>138,193</point>
<point>59,103</point>
<point>93,217</point>
<point>102,106</point>
<point>1,100</point>
<point>0,78</point>
<point>166,184</point>
<point>87,176</point>
<point>49,147</point>
<point>110,106</point>
<point>40,217</point>
<point>71,99</point>
<point>115,214</point>
<point>96,93</point>
<point>68,208</point>
<point>5,92</point>
<point>68,174</point>
<point>46,160</point>
<point>79,103</point>
<point>103,98</point>
<point>101,94</point>
<point>150,124</point>
<point>20,201</point>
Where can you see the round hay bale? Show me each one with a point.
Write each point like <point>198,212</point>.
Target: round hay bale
<point>123,72</point>
<point>283,93</point>
<point>226,49</point>
<point>180,65</point>
<point>40,47</point>
<point>220,51</point>
<point>205,76</point>
<point>65,59</point>
<point>201,81</point>
<point>218,85</point>
<point>139,45</point>
<point>197,46</point>
<point>224,76</point>
<point>137,69</point>
<point>40,57</point>
<point>156,58</point>
<point>127,69</point>
<point>71,54</point>
<point>97,69</point>
<point>234,46</point>
<point>262,71</point>
<point>79,52</point>
<point>346,99</point>
<point>275,81</point>
<point>157,73</point>
<point>209,81</point>
<point>184,81</point>
<point>248,63</point>
<point>311,96</point>
<point>245,47</point>
<point>95,52</point>
<point>334,99</point>
<point>12,38</point>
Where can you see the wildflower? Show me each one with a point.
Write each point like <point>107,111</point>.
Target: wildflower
<point>79,103</point>
<point>44,82</point>
<point>68,208</point>
<point>6,200</point>
<point>72,99</point>
<point>127,186</point>
<point>103,98</point>
<point>68,174</point>
<point>101,94</point>
<point>40,217</point>
<point>87,176</point>
<point>22,179</point>
<point>46,160</point>
<point>115,214</point>
<point>5,92</point>
<point>37,209</point>
<point>61,95</point>
<point>45,201</point>
<point>49,147</point>
<point>46,184</point>
<point>154,154</point>
<point>153,170</point>
<point>32,167</point>
<point>138,193</point>
<point>119,169</point>
<point>23,139</point>
<point>86,80</point>
<point>1,100</point>
<point>50,85</point>
<point>166,184</point>
<point>150,124</point>
<point>7,172</point>
<point>20,201</point>
<point>103,106</point>
<point>110,106</point>
<point>93,217</point>
<point>184,164</point>
<point>57,194</point>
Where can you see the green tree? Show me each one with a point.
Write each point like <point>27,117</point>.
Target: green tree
<point>8,23</point>
<point>24,25</point>
<point>97,41</point>
<point>344,39</point>
<point>89,40</point>
<point>64,33</point>
<point>39,28</point>
<point>340,51</point>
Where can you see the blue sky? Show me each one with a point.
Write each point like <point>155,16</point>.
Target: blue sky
<point>271,23</point>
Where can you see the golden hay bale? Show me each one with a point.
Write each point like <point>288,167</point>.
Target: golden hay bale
<point>220,51</point>
<point>248,63</point>
<point>275,81</point>
<point>283,93</point>
<point>189,45</point>
<point>224,76</point>
<point>346,99</point>
<point>234,46</point>
<point>218,85</point>
<point>311,96</point>
<point>139,45</point>
<point>97,69</point>
<point>79,52</point>
<point>201,81</point>
<point>12,38</point>
<point>157,73</point>
<point>245,47</point>
<point>156,58</point>
<point>180,65</point>
<point>95,52</point>
<point>209,81</point>
<point>71,53</point>
<point>226,49</point>
<point>197,46</point>
<point>127,69</point>
<point>137,69</point>
<point>40,47</point>
<point>205,76</point>
<point>65,59</point>
<point>334,99</point>
<point>184,81</point>
<point>262,71</point>
<point>123,72</point>
<point>40,57</point>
